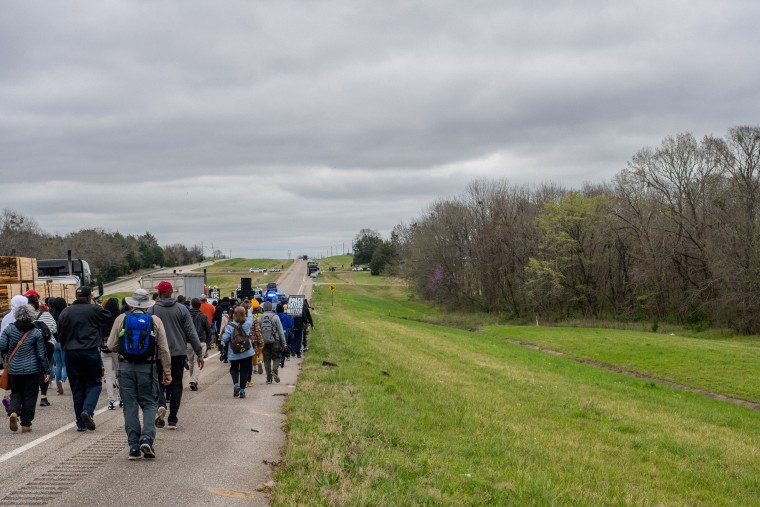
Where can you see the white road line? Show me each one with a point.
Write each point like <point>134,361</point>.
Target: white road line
<point>55,433</point>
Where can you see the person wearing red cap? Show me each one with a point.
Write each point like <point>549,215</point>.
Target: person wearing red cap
<point>180,332</point>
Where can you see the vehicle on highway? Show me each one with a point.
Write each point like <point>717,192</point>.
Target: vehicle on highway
<point>275,270</point>
<point>257,270</point>
<point>60,267</point>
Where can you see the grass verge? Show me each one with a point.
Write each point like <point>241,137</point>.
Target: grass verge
<point>421,414</point>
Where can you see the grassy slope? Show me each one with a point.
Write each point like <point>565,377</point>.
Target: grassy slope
<point>460,418</point>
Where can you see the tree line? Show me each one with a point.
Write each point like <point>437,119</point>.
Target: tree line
<point>110,254</point>
<point>673,237</point>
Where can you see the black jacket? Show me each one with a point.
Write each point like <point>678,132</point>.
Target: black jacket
<point>80,326</point>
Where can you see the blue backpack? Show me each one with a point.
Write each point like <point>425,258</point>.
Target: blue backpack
<point>137,339</point>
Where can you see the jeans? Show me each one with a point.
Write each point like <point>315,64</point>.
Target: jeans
<point>24,390</point>
<point>59,355</point>
<point>83,367</point>
<point>240,369</point>
<point>175,388</point>
<point>138,386</point>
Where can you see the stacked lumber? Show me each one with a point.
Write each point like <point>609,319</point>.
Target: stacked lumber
<point>19,274</point>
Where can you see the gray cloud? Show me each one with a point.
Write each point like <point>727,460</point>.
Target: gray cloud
<point>327,117</point>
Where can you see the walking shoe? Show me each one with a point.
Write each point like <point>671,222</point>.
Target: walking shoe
<point>44,402</point>
<point>26,429</point>
<point>60,386</point>
<point>235,391</point>
<point>81,428</point>
<point>242,394</point>
<point>160,414</point>
<point>298,356</point>
<point>193,386</point>
<point>171,426</point>
<point>14,422</point>
<point>7,404</point>
<point>276,377</point>
<point>282,364</point>
<point>269,380</point>
<point>134,453</point>
<point>249,383</point>
<point>147,449</point>
<point>111,405</point>
<point>87,421</point>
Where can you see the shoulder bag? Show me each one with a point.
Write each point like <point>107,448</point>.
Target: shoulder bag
<point>5,382</point>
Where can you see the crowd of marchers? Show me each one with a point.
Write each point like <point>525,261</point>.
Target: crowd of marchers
<point>140,349</point>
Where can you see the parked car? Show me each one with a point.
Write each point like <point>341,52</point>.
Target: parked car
<point>257,270</point>
<point>275,270</point>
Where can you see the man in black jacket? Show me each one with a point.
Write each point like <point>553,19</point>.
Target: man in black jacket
<point>80,333</point>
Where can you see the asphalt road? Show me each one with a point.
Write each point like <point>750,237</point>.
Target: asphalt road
<point>222,453</point>
<point>132,284</point>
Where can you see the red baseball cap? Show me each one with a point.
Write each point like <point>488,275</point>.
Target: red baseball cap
<point>164,287</point>
<point>31,292</point>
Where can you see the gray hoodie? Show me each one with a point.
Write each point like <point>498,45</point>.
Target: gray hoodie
<point>178,325</point>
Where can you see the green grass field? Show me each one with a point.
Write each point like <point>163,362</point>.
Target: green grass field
<point>419,413</point>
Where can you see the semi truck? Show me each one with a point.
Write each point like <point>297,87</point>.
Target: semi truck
<point>190,285</point>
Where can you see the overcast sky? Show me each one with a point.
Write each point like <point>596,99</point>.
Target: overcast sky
<point>268,127</point>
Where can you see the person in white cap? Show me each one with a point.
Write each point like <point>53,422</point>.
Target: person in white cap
<point>138,382</point>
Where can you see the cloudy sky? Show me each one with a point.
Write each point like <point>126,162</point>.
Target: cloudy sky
<point>263,127</point>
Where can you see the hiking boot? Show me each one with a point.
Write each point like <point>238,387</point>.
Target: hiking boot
<point>111,405</point>
<point>160,415</point>
<point>13,423</point>
<point>193,386</point>
<point>242,394</point>
<point>7,404</point>
<point>26,429</point>
<point>87,421</point>
<point>147,449</point>
<point>44,402</point>
<point>60,386</point>
<point>134,453</point>
<point>235,392</point>
<point>276,377</point>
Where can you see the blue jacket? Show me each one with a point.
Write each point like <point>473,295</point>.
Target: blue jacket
<point>287,323</point>
<point>227,337</point>
<point>30,356</point>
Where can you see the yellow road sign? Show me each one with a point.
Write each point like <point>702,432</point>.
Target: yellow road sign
<point>332,287</point>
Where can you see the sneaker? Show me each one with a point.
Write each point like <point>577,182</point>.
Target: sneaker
<point>235,392</point>
<point>249,383</point>
<point>134,453</point>
<point>44,402</point>
<point>242,394</point>
<point>160,414</point>
<point>193,386</point>
<point>111,405</point>
<point>269,380</point>
<point>276,377</point>
<point>7,404</point>
<point>298,356</point>
<point>81,428</point>
<point>60,387</point>
<point>14,422</point>
<point>87,421</point>
<point>171,426</point>
<point>26,429</point>
<point>282,364</point>
<point>147,449</point>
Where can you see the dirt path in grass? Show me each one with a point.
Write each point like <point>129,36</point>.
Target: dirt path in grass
<point>617,369</point>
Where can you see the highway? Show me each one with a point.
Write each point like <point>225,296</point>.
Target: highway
<point>131,284</point>
<point>222,453</point>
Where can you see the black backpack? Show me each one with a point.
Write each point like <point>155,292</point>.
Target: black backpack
<point>200,328</point>
<point>137,338</point>
<point>240,341</point>
<point>47,335</point>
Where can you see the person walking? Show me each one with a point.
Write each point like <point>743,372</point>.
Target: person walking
<point>138,382</point>
<point>59,356</point>
<point>16,302</point>
<point>180,332</point>
<point>239,351</point>
<point>79,331</point>
<point>287,328</point>
<point>111,359</point>
<point>44,317</point>
<point>274,341</point>
<point>24,345</point>
<point>203,328</point>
